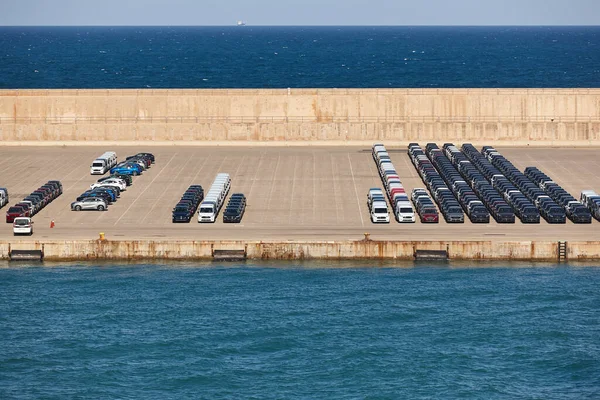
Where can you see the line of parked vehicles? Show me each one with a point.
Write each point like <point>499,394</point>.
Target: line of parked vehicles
<point>424,205</point>
<point>396,193</point>
<point>21,213</point>
<point>490,192</point>
<point>521,205</point>
<point>186,207</point>
<point>574,209</point>
<point>215,197</point>
<point>441,193</point>
<point>469,201</point>
<point>107,190</point>
<point>35,201</point>
<point>236,207</point>
<point>103,163</point>
<point>591,200</point>
<point>548,209</point>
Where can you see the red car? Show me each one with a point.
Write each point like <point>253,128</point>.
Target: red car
<point>429,215</point>
<point>15,212</point>
<point>27,208</point>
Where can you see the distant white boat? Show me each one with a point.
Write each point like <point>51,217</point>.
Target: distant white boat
<point>241,23</point>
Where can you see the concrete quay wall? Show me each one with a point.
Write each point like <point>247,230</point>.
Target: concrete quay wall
<point>302,115</point>
<point>331,250</point>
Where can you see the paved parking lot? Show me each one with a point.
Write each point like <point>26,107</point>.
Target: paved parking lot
<point>294,193</point>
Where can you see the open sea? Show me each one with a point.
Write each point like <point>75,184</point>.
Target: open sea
<point>299,57</point>
<point>312,330</point>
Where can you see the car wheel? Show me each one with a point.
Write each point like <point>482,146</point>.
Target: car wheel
<point>135,173</point>
<point>77,208</point>
<point>100,208</point>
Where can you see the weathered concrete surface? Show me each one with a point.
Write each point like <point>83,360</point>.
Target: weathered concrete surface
<point>299,250</point>
<point>391,115</point>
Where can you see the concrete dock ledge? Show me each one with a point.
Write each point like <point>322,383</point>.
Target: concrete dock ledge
<point>82,250</point>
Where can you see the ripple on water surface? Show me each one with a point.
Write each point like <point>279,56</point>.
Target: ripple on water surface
<point>306,330</point>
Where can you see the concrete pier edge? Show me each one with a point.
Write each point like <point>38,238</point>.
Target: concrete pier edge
<point>90,250</point>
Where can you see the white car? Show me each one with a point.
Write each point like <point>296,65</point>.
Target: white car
<point>22,226</point>
<point>110,182</point>
<point>90,203</point>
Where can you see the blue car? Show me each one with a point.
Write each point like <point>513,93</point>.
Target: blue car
<point>112,193</point>
<point>127,169</point>
<point>88,194</point>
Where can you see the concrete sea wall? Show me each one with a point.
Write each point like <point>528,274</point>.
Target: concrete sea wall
<point>302,115</point>
<point>332,250</point>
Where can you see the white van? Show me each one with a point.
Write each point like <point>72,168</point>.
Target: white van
<point>103,163</point>
<point>405,211</point>
<point>213,201</point>
<point>379,212</point>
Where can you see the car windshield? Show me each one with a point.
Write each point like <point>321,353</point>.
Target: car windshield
<point>429,211</point>
<point>21,222</point>
<point>206,210</point>
<point>97,164</point>
<point>454,210</point>
<point>380,210</point>
<point>181,209</point>
<point>15,210</point>
<point>406,210</point>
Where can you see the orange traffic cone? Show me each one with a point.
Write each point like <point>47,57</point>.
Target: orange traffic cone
<point>52,224</point>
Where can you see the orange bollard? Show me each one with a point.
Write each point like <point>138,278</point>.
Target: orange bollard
<point>52,224</point>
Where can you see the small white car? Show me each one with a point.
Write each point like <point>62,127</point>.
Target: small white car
<point>110,182</point>
<point>22,226</point>
<point>90,203</point>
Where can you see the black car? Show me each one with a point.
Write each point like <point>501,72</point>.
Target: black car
<point>233,214</point>
<point>182,213</point>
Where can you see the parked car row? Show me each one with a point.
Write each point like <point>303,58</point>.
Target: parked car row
<point>103,163</point>
<point>591,200</point>
<point>468,200</point>
<point>134,165</point>
<point>107,190</point>
<point>209,208</point>
<point>574,210</point>
<point>378,209</point>
<point>500,188</point>
<point>401,206</point>
<point>35,202</point>
<point>185,209</point>
<point>490,199</point>
<point>548,209</point>
<point>424,205</point>
<point>441,193</point>
<point>236,207</point>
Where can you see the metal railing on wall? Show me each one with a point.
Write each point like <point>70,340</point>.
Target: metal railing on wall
<point>295,119</point>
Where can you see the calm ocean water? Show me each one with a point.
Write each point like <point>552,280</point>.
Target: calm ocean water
<point>281,57</point>
<point>309,330</point>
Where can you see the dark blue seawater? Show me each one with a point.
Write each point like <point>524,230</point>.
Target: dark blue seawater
<point>313,330</point>
<point>296,57</point>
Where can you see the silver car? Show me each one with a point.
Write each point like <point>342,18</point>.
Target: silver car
<point>91,203</point>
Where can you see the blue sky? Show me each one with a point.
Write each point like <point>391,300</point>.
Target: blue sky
<point>296,12</point>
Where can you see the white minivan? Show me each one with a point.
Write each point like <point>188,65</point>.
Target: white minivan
<point>22,226</point>
<point>103,163</point>
<point>379,212</point>
<point>405,211</point>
